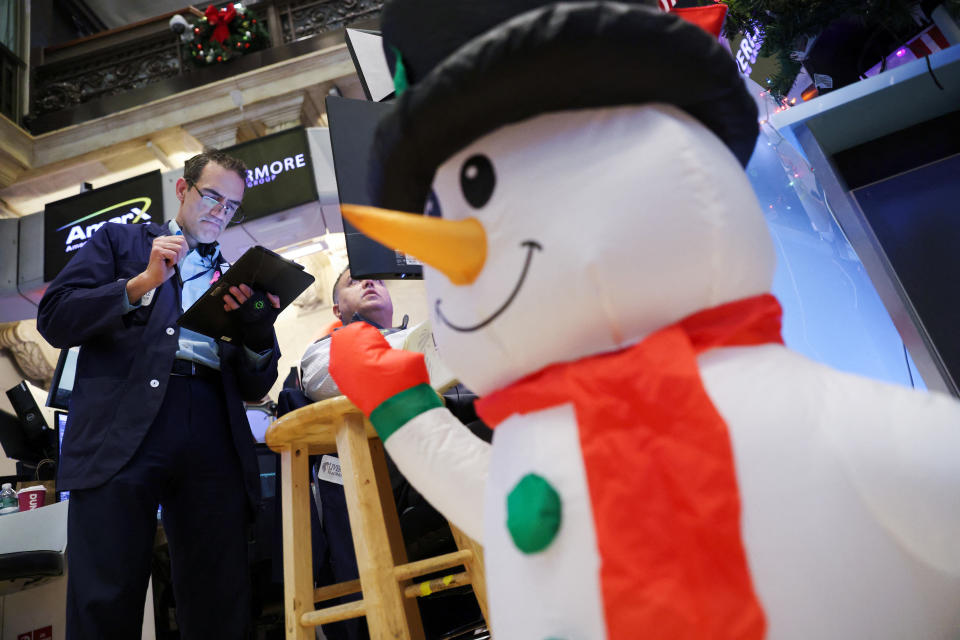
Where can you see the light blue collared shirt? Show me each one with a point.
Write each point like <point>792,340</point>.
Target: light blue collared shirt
<point>197,272</point>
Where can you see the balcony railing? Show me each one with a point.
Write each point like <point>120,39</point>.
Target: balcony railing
<point>12,70</point>
<point>306,18</point>
<point>106,72</point>
<point>101,74</point>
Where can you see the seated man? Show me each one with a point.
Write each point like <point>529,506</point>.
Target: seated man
<point>424,530</point>
<point>369,301</point>
<point>353,300</point>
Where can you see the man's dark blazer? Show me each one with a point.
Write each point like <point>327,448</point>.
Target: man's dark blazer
<point>125,359</point>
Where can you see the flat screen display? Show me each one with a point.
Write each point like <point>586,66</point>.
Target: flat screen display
<point>62,383</point>
<point>69,223</point>
<point>260,418</point>
<point>14,440</point>
<point>61,417</point>
<point>914,216</point>
<point>279,173</point>
<point>366,49</point>
<point>352,127</point>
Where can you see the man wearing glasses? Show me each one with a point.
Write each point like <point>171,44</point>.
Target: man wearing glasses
<point>156,415</point>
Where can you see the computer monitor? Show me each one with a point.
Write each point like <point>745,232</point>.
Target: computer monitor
<point>31,416</point>
<point>61,420</point>
<point>912,215</point>
<point>260,416</point>
<point>352,126</point>
<point>69,223</point>
<point>27,438</point>
<point>13,438</point>
<point>63,376</point>
<point>366,50</point>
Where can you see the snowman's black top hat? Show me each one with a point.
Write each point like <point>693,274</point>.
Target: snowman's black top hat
<point>472,66</point>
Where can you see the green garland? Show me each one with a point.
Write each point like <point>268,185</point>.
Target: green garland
<point>787,24</point>
<point>246,34</point>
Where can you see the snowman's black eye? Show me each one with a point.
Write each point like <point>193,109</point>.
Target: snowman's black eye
<point>477,180</point>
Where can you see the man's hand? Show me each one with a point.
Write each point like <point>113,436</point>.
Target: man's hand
<point>165,253</point>
<point>239,295</point>
<point>256,315</point>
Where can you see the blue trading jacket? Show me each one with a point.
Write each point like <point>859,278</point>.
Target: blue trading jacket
<point>125,359</point>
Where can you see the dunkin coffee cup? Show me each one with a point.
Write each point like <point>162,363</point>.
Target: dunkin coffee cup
<point>32,497</point>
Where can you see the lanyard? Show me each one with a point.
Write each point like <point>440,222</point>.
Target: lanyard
<point>205,250</point>
<point>197,275</point>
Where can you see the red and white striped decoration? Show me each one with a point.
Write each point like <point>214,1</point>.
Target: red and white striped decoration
<point>927,42</point>
<point>666,5</point>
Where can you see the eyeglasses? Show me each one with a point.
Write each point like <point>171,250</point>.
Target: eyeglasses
<point>233,213</point>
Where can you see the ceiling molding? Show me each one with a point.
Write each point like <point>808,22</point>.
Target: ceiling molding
<point>39,169</point>
<point>16,151</point>
<point>276,113</point>
<point>102,166</point>
<point>203,102</point>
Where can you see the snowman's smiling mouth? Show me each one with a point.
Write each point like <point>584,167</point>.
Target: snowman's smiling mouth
<point>530,245</point>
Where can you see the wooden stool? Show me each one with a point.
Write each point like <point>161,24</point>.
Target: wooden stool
<point>388,594</point>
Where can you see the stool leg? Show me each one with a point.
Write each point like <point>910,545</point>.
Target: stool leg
<point>397,546</point>
<point>475,569</point>
<point>297,554</point>
<point>381,592</point>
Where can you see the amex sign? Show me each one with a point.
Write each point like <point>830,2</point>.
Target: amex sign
<point>69,223</point>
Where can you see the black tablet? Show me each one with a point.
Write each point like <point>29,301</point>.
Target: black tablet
<point>258,268</point>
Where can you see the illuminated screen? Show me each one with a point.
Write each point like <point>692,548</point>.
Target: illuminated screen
<point>61,425</point>
<point>352,127</point>
<point>279,173</point>
<point>69,223</point>
<point>259,418</point>
<point>62,383</point>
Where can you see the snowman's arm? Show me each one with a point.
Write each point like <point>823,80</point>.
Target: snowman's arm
<point>440,457</point>
<point>905,461</point>
<point>446,463</point>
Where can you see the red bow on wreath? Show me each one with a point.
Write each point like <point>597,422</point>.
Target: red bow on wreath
<point>220,21</point>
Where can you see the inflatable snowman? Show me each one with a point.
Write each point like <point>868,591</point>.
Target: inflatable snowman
<point>662,466</point>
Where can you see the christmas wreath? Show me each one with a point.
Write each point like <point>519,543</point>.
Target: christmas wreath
<point>226,33</point>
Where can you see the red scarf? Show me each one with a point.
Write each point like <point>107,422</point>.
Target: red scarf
<point>661,475</point>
